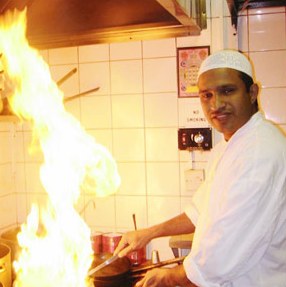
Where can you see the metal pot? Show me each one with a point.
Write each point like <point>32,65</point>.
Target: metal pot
<point>9,238</point>
<point>5,266</point>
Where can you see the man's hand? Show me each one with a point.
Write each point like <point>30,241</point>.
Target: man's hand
<point>133,240</point>
<point>165,277</point>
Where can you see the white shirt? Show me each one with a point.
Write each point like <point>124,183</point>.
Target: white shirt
<point>240,212</point>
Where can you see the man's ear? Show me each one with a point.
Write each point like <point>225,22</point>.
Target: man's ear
<point>253,92</point>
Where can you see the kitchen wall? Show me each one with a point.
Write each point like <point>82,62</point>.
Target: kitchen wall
<point>136,115</point>
<point>262,35</point>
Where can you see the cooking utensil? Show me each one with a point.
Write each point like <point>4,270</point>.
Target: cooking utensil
<point>80,95</point>
<point>113,275</point>
<point>68,75</point>
<point>103,264</point>
<point>159,264</point>
<point>134,221</point>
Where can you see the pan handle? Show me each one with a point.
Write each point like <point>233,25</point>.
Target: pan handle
<point>157,265</point>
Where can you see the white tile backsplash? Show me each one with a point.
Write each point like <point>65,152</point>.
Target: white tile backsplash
<point>102,136</point>
<point>267,10</point>
<point>126,77</point>
<point>159,48</point>
<point>261,27</point>
<point>96,112</point>
<point>103,215</point>
<point>242,30</point>
<point>133,178</point>
<point>126,206</point>
<point>128,144</point>
<point>270,100</point>
<point>125,51</point>
<point>61,56</point>
<point>204,39</point>
<point>8,209</point>
<point>5,151</point>
<point>6,179</point>
<point>160,75</point>
<point>127,111</point>
<point>270,67</point>
<point>70,86</point>
<point>161,144</point>
<point>158,116</point>
<point>93,75</point>
<point>163,178</point>
<point>21,208</point>
<point>161,208</point>
<point>93,53</point>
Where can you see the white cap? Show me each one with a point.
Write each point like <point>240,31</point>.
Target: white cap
<point>227,59</point>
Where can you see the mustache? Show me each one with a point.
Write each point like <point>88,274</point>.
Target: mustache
<point>218,112</point>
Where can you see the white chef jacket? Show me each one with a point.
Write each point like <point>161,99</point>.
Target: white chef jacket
<point>240,212</point>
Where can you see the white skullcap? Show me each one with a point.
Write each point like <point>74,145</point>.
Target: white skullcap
<point>227,59</point>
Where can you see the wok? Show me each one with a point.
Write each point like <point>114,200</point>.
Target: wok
<point>113,275</point>
<point>120,272</point>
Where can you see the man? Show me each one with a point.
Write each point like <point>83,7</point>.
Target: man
<point>239,212</point>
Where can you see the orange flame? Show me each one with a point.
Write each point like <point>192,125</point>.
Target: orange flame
<point>55,241</point>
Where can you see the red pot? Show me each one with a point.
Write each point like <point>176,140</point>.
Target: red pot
<point>110,241</point>
<point>96,242</point>
<point>137,257</point>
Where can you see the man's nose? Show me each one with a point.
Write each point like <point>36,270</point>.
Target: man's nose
<point>217,102</point>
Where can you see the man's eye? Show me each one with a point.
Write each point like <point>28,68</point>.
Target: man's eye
<point>206,95</point>
<point>227,91</point>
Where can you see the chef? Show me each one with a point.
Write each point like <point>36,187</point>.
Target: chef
<point>238,214</point>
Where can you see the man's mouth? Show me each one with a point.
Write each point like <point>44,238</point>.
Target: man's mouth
<point>220,116</point>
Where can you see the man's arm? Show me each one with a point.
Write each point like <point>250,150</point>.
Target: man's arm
<point>138,239</point>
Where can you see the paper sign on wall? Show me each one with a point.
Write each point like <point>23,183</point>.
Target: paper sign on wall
<point>191,115</point>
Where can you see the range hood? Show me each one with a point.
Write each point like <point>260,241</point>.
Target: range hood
<point>60,23</point>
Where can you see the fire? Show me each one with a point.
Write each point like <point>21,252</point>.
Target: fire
<point>55,240</point>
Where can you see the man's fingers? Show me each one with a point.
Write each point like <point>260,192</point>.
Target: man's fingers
<point>125,251</point>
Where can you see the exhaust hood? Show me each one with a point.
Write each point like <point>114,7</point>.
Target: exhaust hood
<point>62,23</point>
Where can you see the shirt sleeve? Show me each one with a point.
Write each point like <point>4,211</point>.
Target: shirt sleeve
<point>192,210</point>
<point>237,220</point>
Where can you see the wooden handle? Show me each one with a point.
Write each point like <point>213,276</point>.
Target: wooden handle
<point>160,264</point>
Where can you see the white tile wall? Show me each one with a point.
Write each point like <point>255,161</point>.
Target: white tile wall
<point>126,77</point>
<point>261,27</point>
<point>262,34</point>
<point>136,114</point>
<point>127,111</point>
<point>155,115</point>
<point>160,75</point>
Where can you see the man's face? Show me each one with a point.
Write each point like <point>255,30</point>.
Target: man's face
<point>224,99</point>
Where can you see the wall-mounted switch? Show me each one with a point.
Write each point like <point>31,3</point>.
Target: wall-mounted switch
<point>193,179</point>
<point>195,138</point>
